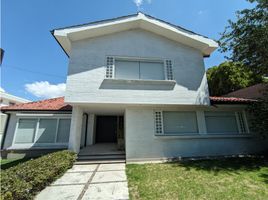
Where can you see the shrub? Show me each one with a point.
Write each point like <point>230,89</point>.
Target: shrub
<point>26,179</point>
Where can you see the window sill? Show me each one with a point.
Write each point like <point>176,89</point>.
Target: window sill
<point>202,136</point>
<point>28,146</point>
<point>138,84</point>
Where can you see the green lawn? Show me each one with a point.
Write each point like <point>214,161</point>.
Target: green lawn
<point>234,178</point>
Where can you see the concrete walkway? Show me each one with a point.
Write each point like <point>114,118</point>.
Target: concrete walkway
<point>89,182</point>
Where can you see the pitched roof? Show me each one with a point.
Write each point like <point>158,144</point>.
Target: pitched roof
<point>65,36</point>
<point>252,92</point>
<point>230,100</point>
<point>55,104</point>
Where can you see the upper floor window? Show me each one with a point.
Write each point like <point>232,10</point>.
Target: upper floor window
<point>139,69</point>
<point>146,70</point>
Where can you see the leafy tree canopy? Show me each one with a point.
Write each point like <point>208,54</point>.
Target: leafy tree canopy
<point>247,38</point>
<point>228,77</point>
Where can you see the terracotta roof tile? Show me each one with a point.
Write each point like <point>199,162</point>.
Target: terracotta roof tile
<point>55,104</point>
<point>230,100</point>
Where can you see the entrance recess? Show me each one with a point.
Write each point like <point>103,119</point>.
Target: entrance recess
<point>106,129</point>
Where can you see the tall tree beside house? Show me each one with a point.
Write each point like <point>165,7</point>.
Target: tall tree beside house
<point>246,39</point>
<point>228,77</point>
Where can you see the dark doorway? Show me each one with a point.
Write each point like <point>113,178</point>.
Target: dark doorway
<point>106,129</point>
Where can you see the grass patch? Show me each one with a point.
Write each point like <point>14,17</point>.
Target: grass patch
<point>233,178</point>
<point>7,163</point>
<point>25,180</point>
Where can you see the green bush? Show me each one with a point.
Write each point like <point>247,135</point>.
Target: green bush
<point>26,179</point>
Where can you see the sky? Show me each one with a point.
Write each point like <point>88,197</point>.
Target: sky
<point>35,67</point>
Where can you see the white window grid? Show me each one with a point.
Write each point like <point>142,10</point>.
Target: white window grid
<point>158,122</point>
<point>109,67</point>
<point>169,71</point>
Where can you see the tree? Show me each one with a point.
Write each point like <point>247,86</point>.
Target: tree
<point>228,77</point>
<point>247,38</point>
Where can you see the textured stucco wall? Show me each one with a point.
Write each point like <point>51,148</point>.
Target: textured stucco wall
<point>88,64</point>
<point>142,144</point>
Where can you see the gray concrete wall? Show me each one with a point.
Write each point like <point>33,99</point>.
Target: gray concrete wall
<point>87,66</point>
<point>143,144</point>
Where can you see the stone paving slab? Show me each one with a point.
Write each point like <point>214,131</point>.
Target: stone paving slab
<point>109,176</point>
<point>83,168</point>
<point>60,192</point>
<point>89,182</point>
<point>107,191</point>
<point>73,178</point>
<point>107,167</point>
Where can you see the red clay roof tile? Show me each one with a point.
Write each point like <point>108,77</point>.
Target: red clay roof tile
<point>55,104</point>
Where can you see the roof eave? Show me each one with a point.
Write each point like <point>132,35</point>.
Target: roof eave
<point>64,36</point>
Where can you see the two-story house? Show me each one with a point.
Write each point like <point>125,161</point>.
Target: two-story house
<point>138,84</point>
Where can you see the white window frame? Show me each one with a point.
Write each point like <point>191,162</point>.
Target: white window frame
<point>202,130</point>
<point>237,122</point>
<point>36,130</point>
<point>162,123</point>
<point>140,59</point>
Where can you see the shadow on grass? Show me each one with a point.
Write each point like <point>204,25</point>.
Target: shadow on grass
<point>229,165</point>
<point>12,163</point>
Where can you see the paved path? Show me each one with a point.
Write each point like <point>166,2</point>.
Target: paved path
<point>89,182</point>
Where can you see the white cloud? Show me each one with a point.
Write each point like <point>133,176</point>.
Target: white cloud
<point>44,89</point>
<point>138,3</point>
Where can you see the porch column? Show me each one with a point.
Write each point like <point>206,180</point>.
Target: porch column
<point>76,129</point>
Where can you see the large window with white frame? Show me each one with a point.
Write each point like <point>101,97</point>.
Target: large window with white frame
<point>42,130</point>
<point>139,69</point>
<point>176,123</point>
<point>227,122</point>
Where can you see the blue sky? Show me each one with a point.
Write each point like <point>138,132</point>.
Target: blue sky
<point>34,65</point>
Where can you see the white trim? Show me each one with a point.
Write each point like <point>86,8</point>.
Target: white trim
<point>198,136</point>
<point>140,59</point>
<point>238,123</point>
<point>42,115</point>
<point>190,133</point>
<point>140,21</point>
<point>245,121</point>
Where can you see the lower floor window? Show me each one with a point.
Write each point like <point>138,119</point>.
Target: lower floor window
<point>224,122</point>
<point>185,122</point>
<point>43,130</point>
<point>179,122</point>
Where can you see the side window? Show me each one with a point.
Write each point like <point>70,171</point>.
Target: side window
<point>223,123</point>
<point>179,122</point>
<point>26,131</point>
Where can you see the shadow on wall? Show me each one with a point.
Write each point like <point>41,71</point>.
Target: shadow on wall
<point>136,85</point>
<point>203,92</point>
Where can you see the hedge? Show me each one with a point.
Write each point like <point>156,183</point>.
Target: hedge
<point>25,180</point>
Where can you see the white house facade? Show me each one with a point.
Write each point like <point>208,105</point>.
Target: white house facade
<point>140,83</point>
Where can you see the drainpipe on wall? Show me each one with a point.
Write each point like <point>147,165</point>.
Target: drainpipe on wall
<point>85,143</point>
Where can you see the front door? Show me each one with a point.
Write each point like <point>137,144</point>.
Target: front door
<point>106,128</point>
